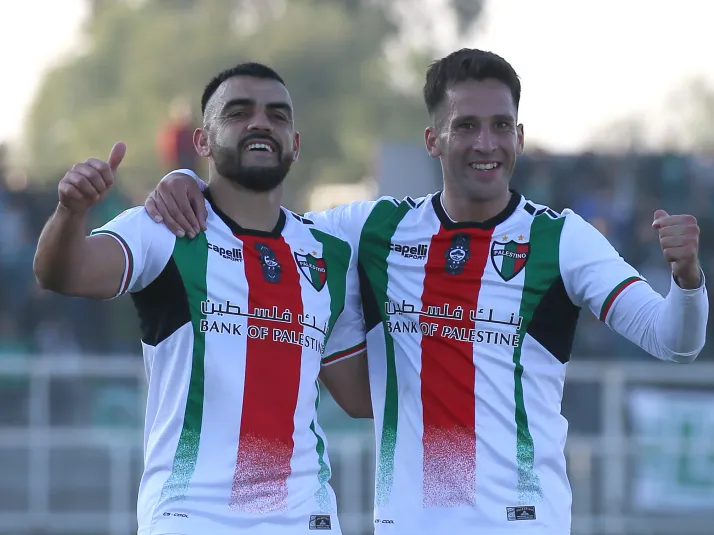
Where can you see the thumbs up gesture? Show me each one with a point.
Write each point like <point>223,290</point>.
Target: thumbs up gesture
<point>87,183</point>
<point>679,239</point>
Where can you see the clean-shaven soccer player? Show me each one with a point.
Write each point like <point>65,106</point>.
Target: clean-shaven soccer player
<point>234,323</point>
<point>471,298</point>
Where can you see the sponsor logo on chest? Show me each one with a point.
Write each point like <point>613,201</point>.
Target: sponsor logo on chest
<point>233,254</point>
<point>416,252</point>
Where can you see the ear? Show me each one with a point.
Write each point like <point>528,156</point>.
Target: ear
<point>431,138</point>
<point>296,146</point>
<point>520,143</point>
<point>201,142</point>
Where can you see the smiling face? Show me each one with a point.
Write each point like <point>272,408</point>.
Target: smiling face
<point>249,133</point>
<point>477,137</point>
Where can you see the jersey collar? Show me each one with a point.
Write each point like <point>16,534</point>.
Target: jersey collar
<point>237,230</point>
<point>450,224</point>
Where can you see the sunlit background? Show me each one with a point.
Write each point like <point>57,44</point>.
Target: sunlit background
<point>618,108</point>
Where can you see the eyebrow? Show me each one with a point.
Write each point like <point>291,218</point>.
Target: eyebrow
<point>236,102</point>
<point>497,117</point>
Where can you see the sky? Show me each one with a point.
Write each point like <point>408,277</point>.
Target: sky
<point>583,64</point>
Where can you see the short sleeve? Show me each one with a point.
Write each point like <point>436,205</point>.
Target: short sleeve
<point>594,273</point>
<point>345,222</point>
<point>147,247</point>
<point>348,336</point>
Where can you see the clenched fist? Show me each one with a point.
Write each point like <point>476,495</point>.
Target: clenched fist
<point>87,183</point>
<point>679,239</point>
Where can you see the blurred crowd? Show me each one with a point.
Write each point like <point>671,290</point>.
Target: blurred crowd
<point>617,194</point>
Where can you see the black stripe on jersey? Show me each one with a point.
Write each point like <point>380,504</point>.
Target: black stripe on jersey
<point>410,202</point>
<point>162,306</point>
<point>528,207</point>
<point>370,307</point>
<point>554,321</point>
<point>545,210</point>
<point>302,219</point>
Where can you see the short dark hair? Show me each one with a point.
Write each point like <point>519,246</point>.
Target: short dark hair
<point>254,70</point>
<point>467,64</point>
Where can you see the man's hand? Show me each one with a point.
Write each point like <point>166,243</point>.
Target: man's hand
<point>178,202</point>
<point>87,183</point>
<point>679,239</point>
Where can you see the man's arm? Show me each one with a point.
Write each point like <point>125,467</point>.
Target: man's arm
<point>595,275</point>
<point>178,202</point>
<point>70,263</point>
<point>673,328</point>
<point>66,260</point>
<point>347,380</point>
<point>344,364</point>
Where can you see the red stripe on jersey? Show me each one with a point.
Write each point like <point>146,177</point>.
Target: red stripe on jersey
<point>272,378</point>
<point>453,272</point>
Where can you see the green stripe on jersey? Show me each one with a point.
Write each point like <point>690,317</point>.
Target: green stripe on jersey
<point>323,476</point>
<point>191,257</point>
<point>541,270</point>
<point>337,257</point>
<point>374,249</point>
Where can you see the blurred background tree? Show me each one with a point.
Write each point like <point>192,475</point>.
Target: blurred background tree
<point>138,58</point>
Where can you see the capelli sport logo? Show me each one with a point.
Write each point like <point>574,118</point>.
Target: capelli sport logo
<point>417,252</point>
<point>234,255</point>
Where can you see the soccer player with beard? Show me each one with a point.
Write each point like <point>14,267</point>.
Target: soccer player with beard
<point>471,298</point>
<point>236,323</point>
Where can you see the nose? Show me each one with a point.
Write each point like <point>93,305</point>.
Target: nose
<point>485,140</point>
<point>260,122</point>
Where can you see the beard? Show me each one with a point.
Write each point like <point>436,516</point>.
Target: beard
<point>258,178</point>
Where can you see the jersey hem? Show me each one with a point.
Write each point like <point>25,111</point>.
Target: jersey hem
<point>343,355</point>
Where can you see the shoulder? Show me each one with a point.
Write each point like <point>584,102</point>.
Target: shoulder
<point>136,222</point>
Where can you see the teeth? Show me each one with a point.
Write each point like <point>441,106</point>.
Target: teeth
<point>485,166</point>
<point>260,146</point>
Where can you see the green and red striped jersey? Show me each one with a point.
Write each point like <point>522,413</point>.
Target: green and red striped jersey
<point>235,324</point>
<point>469,331</point>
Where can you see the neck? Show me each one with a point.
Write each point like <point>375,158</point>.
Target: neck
<point>461,208</point>
<point>250,209</point>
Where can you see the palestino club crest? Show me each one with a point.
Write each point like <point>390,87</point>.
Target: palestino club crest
<point>313,268</point>
<point>509,258</point>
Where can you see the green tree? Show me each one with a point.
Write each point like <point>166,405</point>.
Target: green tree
<point>140,56</point>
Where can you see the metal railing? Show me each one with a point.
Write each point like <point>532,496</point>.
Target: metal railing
<point>83,477</point>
